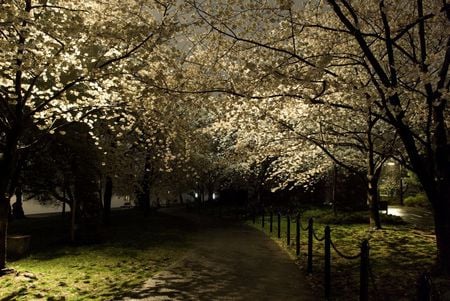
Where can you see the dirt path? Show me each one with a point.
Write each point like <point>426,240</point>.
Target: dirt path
<point>228,262</point>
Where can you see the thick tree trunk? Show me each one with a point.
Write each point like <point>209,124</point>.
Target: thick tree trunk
<point>107,197</point>
<point>442,228</point>
<point>7,169</point>
<point>438,192</point>
<point>4,216</point>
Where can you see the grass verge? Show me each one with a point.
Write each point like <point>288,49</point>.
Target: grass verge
<point>134,247</point>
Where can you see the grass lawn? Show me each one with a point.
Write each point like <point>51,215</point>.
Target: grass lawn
<point>133,248</point>
<point>398,255</point>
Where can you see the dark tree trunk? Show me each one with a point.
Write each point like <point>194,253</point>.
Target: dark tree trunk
<point>373,174</point>
<point>144,194</point>
<point>210,195</point>
<point>7,169</point>
<point>107,197</point>
<point>437,189</point>
<point>4,216</point>
<point>333,191</point>
<point>372,200</point>
<point>442,228</point>
<point>73,220</point>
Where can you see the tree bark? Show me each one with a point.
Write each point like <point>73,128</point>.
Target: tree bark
<point>7,169</point>
<point>372,201</point>
<point>442,228</point>
<point>144,194</point>
<point>4,215</point>
<point>73,211</point>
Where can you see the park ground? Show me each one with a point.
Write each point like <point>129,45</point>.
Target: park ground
<point>174,255</point>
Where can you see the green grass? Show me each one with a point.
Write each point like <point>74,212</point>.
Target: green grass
<point>398,255</point>
<point>133,248</point>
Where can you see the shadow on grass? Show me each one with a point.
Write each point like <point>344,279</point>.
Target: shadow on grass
<point>128,232</point>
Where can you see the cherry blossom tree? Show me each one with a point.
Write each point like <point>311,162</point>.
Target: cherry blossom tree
<point>390,57</point>
<point>408,57</point>
<point>62,60</point>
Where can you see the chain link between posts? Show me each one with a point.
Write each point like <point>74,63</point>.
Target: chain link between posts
<point>316,237</point>
<point>350,257</point>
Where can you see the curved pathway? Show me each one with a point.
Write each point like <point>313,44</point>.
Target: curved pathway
<point>228,262</point>
<point>419,218</point>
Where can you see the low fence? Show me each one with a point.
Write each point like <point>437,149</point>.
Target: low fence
<point>363,254</point>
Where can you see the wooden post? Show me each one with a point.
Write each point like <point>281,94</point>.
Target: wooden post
<point>364,272</point>
<point>309,267</point>
<point>288,229</point>
<point>297,236</point>
<point>327,263</point>
<point>279,225</point>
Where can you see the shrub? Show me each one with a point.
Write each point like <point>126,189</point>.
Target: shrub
<point>417,200</point>
<point>347,218</point>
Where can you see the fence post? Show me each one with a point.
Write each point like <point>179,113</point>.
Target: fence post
<point>288,229</point>
<point>279,225</point>
<point>364,272</point>
<point>271,221</point>
<point>309,267</point>
<point>297,236</point>
<point>327,263</point>
<point>262,219</point>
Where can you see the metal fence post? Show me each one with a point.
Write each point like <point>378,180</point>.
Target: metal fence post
<point>297,236</point>
<point>309,267</point>
<point>288,229</point>
<point>364,272</point>
<point>279,225</point>
<point>271,221</point>
<point>327,263</point>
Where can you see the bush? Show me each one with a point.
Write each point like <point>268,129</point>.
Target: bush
<point>417,200</point>
<point>347,218</point>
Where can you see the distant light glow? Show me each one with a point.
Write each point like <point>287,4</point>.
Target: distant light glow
<point>391,163</point>
<point>396,211</point>
<point>196,195</point>
<point>214,196</point>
